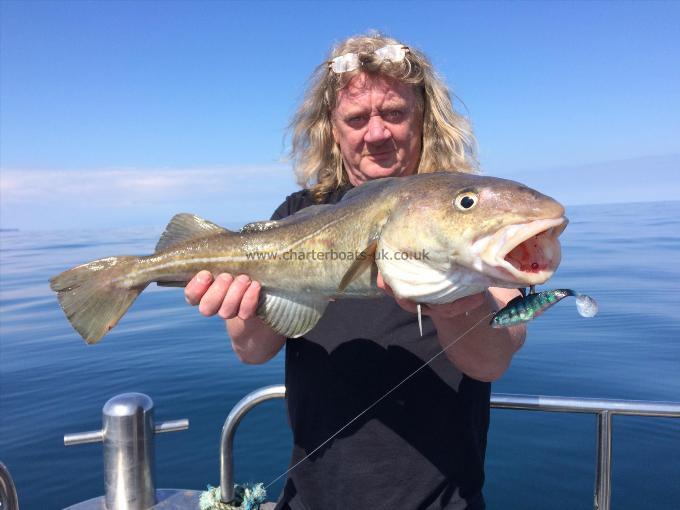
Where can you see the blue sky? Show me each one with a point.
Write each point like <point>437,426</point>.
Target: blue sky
<point>124,113</point>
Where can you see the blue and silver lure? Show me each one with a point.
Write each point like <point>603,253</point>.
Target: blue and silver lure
<point>526,308</point>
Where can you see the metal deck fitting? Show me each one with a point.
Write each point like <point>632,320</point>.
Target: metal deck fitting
<point>127,432</point>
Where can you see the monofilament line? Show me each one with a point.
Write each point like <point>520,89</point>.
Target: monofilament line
<point>421,367</point>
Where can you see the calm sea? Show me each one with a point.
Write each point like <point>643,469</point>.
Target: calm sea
<point>626,256</point>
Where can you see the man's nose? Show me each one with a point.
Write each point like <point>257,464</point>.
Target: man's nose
<point>376,131</point>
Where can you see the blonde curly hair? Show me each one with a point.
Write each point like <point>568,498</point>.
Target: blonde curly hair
<point>447,144</point>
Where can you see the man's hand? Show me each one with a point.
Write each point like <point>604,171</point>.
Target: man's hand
<point>479,351</point>
<point>225,295</point>
<point>235,300</point>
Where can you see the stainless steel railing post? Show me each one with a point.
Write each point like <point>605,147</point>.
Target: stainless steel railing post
<point>229,429</point>
<point>128,435</point>
<point>8,492</point>
<point>603,469</point>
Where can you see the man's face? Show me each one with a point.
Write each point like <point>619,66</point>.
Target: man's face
<point>378,127</point>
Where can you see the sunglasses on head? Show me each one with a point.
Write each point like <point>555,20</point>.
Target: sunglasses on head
<point>350,61</point>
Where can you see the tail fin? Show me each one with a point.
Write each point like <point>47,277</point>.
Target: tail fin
<point>94,297</point>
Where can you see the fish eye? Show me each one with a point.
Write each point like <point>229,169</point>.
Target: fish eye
<point>466,200</point>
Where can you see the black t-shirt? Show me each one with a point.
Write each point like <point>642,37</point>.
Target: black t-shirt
<point>422,447</point>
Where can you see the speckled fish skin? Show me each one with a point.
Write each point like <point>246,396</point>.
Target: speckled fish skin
<point>476,232</point>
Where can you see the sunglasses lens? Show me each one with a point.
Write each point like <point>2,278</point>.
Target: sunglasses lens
<point>350,61</point>
<point>345,63</point>
<point>392,52</point>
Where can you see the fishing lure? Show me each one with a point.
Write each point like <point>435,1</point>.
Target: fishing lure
<point>526,308</point>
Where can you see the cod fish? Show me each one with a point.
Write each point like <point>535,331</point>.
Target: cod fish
<point>434,238</point>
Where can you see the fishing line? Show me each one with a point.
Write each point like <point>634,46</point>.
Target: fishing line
<point>379,400</point>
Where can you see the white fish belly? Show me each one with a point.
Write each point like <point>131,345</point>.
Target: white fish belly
<point>423,282</point>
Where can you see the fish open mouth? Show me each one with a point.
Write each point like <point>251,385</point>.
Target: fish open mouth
<point>523,253</point>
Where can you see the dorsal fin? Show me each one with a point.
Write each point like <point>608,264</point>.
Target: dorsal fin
<point>184,227</point>
<point>258,226</point>
<point>372,186</point>
<point>302,214</point>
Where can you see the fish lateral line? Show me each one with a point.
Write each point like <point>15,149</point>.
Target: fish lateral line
<point>413,211</point>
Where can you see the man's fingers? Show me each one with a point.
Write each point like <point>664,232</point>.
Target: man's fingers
<point>213,297</point>
<point>196,288</point>
<point>224,295</point>
<point>382,285</point>
<point>379,281</point>
<point>250,300</point>
<point>231,301</point>
<point>409,306</point>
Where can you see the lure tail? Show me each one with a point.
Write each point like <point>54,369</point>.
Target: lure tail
<point>95,296</point>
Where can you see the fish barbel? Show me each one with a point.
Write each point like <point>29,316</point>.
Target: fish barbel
<point>434,238</point>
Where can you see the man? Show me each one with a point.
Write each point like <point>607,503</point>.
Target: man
<point>376,109</point>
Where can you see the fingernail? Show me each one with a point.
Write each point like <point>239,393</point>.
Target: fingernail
<point>226,277</point>
<point>202,276</point>
<point>243,278</point>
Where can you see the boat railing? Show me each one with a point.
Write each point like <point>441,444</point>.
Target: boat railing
<point>8,492</point>
<point>129,428</point>
<point>604,409</point>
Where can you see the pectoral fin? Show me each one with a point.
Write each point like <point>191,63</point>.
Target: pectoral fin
<point>365,260</point>
<point>291,315</point>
